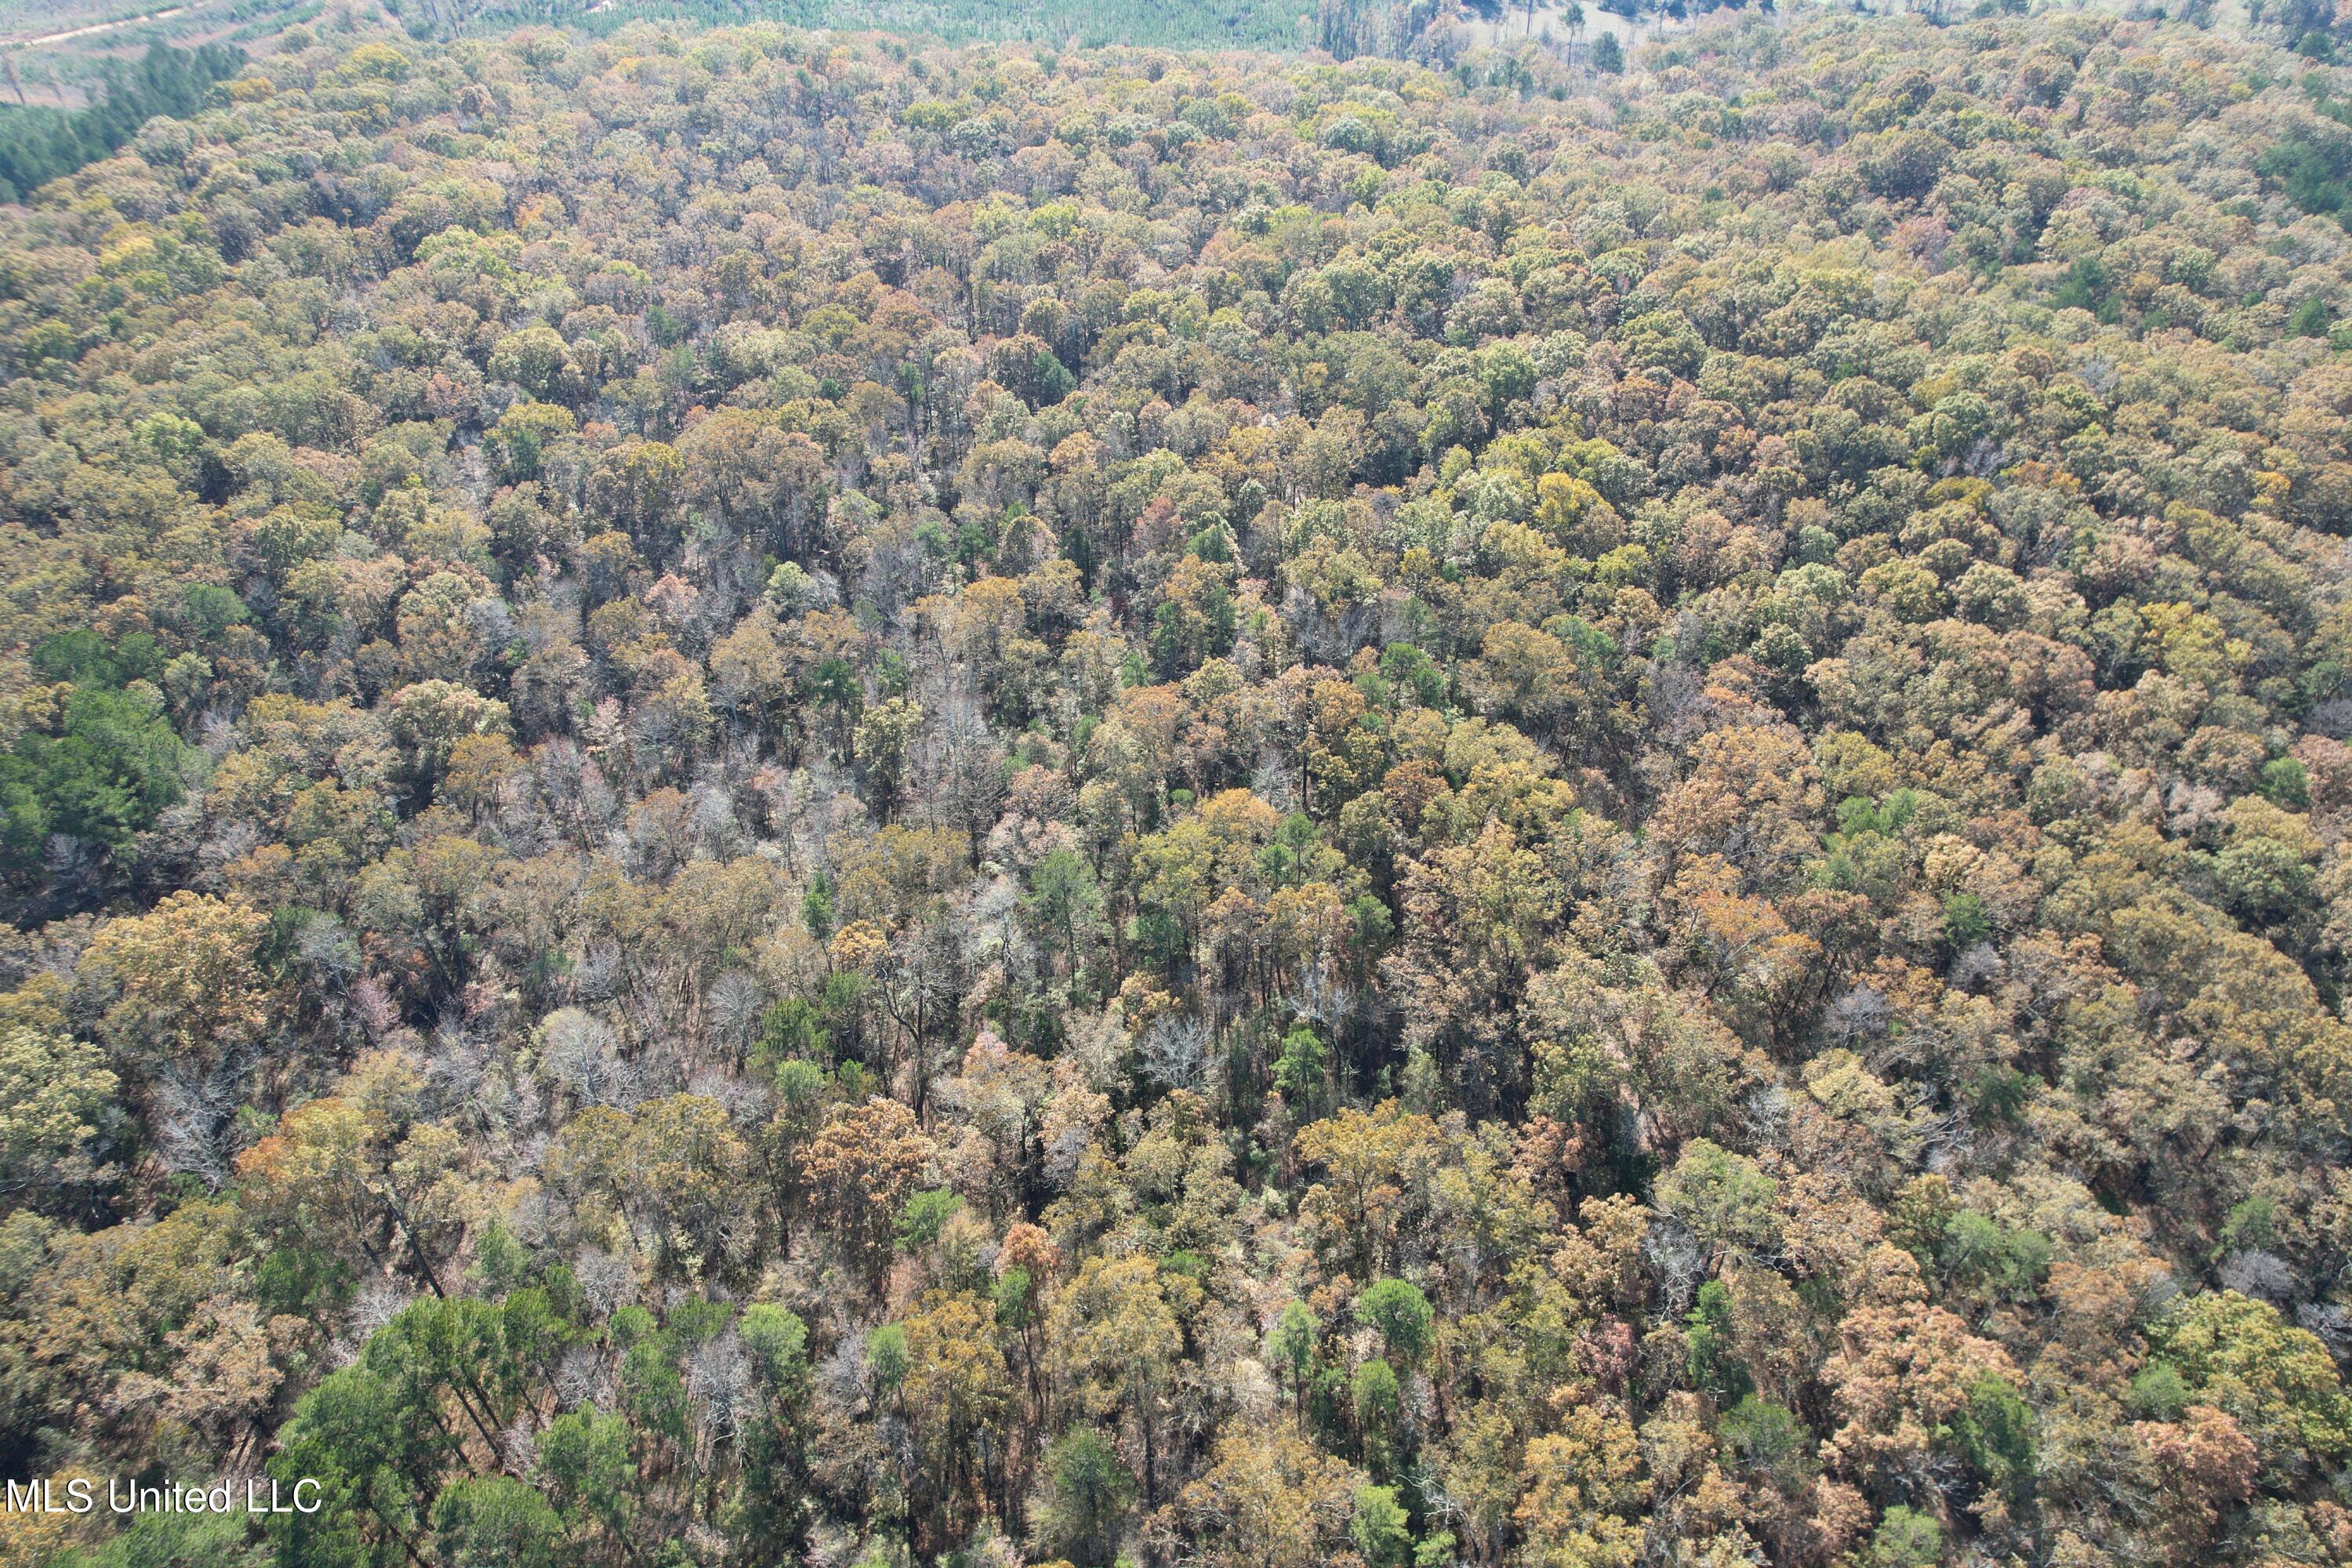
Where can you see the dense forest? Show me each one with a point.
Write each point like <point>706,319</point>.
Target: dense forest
<point>773,798</point>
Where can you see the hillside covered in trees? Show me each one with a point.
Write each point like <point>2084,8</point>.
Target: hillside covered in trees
<point>768,798</point>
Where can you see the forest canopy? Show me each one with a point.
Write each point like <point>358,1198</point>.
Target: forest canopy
<point>778,796</point>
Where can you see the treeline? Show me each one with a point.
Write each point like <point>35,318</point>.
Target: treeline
<point>1179,24</point>
<point>40,144</point>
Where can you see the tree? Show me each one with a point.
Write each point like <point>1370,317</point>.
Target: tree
<point>1380,1528</point>
<point>584,1464</point>
<point>1586,1483</point>
<point>369,1447</point>
<point>489,1519</point>
<point>1373,1166</point>
<point>1915,1381</point>
<point>1269,1500</point>
<point>771,1444</point>
<point>2275,1380</point>
<point>186,1006</point>
<point>54,1095</point>
<point>1117,1341</point>
<point>860,1168</point>
<point>335,1182</point>
<point>182,986</point>
<point>688,1173</point>
<point>1905,1538</point>
<point>1290,1345</point>
<point>1066,905</point>
<point>957,1390</point>
<point>1083,1499</point>
<point>1729,1205</point>
<point>885,738</point>
<point>1401,1315</point>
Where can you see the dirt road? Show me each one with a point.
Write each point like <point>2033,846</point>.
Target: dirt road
<point>95,28</point>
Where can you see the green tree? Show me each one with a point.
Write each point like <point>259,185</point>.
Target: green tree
<point>1290,1344</point>
<point>1085,1494</point>
<point>1380,1528</point>
<point>1401,1315</point>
